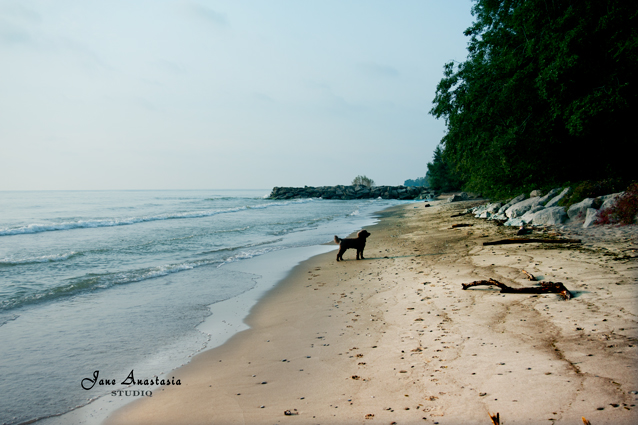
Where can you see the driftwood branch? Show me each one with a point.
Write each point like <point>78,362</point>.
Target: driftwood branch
<point>530,240</point>
<point>544,288</point>
<point>454,226</point>
<point>460,214</point>
<point>529,275</point>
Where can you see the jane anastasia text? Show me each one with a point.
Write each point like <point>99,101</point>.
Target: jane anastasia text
<point>88,383</point>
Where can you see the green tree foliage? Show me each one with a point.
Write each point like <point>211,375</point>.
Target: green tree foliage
<point>441,173</point>
<point>363,180</point>
<point>418,182</point>
<point>545,95</point>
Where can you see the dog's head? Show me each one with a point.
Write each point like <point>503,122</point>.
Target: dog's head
<point>363,234</point>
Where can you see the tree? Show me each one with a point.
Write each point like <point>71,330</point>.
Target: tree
<point>545,95</point>
<point>363,180</point>
<point>441,173</point>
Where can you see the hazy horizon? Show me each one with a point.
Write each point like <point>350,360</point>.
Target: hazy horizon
<point>185,94</point>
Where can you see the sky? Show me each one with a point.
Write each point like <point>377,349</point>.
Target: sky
<point>208,94</point>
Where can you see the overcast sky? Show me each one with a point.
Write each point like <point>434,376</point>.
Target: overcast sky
<point>214,94</point>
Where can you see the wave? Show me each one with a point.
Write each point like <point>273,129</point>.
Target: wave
<point>234,248</point>
<point>93,281</point>
<point>89,224</point>
<point>246,255</point>
<point>41,259</point>
<point>99,281</point>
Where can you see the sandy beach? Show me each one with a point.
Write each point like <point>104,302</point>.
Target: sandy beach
<point>394,338</point>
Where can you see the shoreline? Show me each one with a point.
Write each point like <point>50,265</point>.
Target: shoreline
<point>395,339</point>
<point>226,319</point>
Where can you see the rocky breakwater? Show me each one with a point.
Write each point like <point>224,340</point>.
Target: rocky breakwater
<point>351,192</point>
<point>542,210</point>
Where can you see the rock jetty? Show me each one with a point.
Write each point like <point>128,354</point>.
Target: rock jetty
<point>352,192</point>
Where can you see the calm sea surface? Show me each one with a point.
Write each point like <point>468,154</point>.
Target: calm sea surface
<point>119,280</point>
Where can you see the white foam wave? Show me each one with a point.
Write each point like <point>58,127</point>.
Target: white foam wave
<point>244,255</point>
<point>41,259</point>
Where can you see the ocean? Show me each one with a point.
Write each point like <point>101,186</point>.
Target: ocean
<point>116,281</point>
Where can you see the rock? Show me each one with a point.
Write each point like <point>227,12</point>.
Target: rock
<point>549,196</point>
<point>517,222</point>
<point>458,197</point>
<point>523,231</point>
<point>522,207</point>
<point>609,200</point>
<point>554,201</point>
<point>549,216</point>
<point>536,193</point>
<point>590,218</point>
<point>487,208</point>
<point>579,210</point>
<point>528,217</point>
<point>513,201</point>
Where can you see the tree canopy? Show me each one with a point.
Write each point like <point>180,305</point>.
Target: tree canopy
<point>363,180</point>
<point>545,95</point>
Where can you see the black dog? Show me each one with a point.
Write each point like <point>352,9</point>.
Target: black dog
<point>359,243</point>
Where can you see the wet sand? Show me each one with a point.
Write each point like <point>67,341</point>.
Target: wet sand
<point>394,338</point>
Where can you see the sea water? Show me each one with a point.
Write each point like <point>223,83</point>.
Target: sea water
<point>116,281</point>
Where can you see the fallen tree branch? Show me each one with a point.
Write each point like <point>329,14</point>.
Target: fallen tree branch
<point>545,288</point>
<point>454,226</point>
<point>530,240</point>
<point>529,275</point>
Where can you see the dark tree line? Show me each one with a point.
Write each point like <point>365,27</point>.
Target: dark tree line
<point>546,96</point>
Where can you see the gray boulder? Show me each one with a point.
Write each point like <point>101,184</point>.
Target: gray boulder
<point>458,197</point>
<point>528,217</point>
<point>514,222</point>
<point>549,196</point>
<point>579,210</point>
<point>554,201</point>
<point>592,215</point>
<point>535,193</point>
<point>552,216</point>
<point>513,201</point>
<point>609,200</point>
<point>522,207</point>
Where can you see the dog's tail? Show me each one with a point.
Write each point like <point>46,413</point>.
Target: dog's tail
<point>337,239</point>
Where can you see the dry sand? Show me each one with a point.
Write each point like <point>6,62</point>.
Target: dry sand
<point>394,338</point>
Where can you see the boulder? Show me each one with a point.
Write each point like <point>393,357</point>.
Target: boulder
<point>513,201</point>
<point>590,217</point>
<point>609,200</point>
<point>514,222</point>
<point>528,217</point>
<point>549,216</point>
<point>522,207</point>
<point>536,193</point>
<point>554,201</point>
<point>487,208</point>
<point>458,197</point>
<point>549,196</point>
<point>579,210</point>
